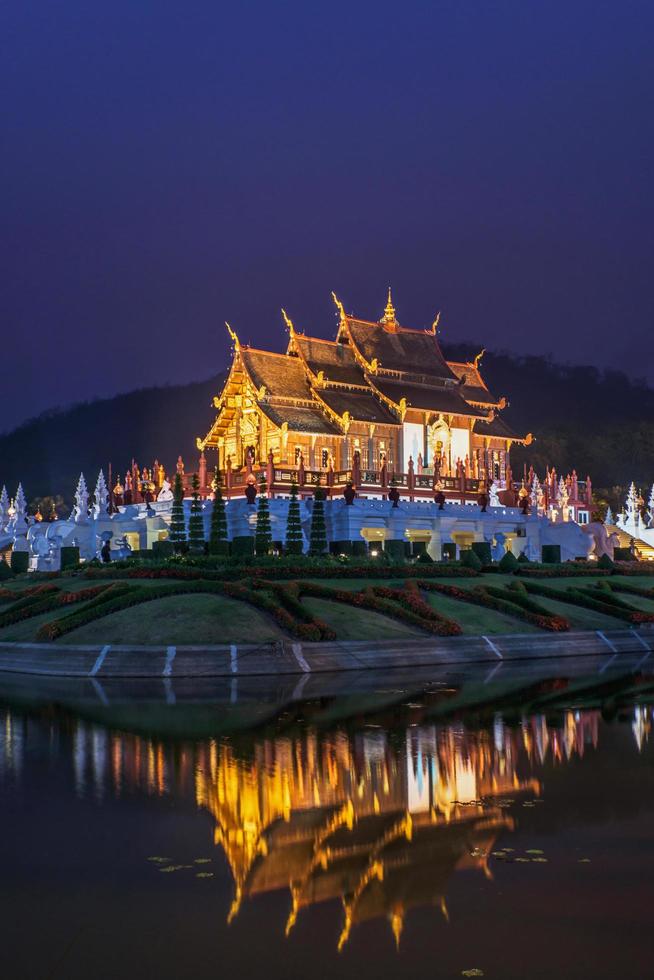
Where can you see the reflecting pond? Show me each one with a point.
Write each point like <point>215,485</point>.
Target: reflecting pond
<point>457,828</point>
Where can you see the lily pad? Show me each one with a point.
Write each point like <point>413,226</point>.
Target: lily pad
<point>475,972</point>
<point>204,874</point>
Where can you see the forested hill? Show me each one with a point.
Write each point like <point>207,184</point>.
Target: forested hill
<point>47,453</point>
<point>599,422</point>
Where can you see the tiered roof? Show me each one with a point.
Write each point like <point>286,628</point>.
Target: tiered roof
<point>371,373</point>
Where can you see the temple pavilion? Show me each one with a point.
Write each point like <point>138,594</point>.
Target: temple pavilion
<point>379,398</point>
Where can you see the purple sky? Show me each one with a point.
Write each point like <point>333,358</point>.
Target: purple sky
<point>168,166</point>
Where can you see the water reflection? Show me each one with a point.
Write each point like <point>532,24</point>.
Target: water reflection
<point>378,819</point>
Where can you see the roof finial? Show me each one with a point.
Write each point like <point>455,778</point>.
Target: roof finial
<point>288,322</point>
<point>434,326</point>
<point>232,334</point>
<point>389,310</point>
<point>339,307</point>
<point>478,358</point>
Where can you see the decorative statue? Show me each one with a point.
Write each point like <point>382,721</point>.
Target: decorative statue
<point>349,493</point>
<point>180,466</point>
<point>81,509</point>
<point>100,497</point>
<point>4,509</point>
<point>166,493</point>
<point>251,491</point>
<point>419,463</point>
<point>394,495</point>
<point>499,549</point>
<point>492,493</point>
<point>439,496</point>
<point>482,500</point>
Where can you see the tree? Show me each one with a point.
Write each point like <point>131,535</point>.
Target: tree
<point>196,520</point>
<point>218,532</point>
<point>318,539</point>
<point>178,524</point>
<point>263,533</point>
<point>294,539</point>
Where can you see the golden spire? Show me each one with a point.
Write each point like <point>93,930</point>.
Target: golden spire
<point>434,326</point>
<point>478,358</point>
<point>232,334</point>
<point>339,307</point>
<point>389,310</point>
<point>288,322</point>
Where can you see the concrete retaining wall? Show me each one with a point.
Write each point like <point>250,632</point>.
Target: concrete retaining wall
<point>243,660</point>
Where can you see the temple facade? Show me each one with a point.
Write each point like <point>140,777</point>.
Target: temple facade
<point>379,403</point>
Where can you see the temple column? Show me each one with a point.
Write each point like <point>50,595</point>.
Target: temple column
<point>371,449</point>
<point>399,452</point>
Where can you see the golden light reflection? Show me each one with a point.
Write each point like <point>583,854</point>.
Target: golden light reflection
<point>377,821</point>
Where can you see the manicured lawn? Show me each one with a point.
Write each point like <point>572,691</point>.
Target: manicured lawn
<point>181,619</point>
<point>196,618</point>
<point>358,624</point>
<point>475,620</point>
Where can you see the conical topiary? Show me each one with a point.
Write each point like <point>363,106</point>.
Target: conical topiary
<point>177,523</point>
<point>318,538</point>
<point>294,539</point>
<point>196,521</point>
<point>218,544</point>
<point>263,533</point>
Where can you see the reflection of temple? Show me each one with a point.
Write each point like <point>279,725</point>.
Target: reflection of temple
<point>380,825</point>
<point>354,820</point>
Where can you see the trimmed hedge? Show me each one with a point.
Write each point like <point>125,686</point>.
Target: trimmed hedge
<point>69,557</point>
<point>622,554</point>
<point>448,551</point>
<point>243,546</point>
<point>20,561</point>
<point>395,548</point>
<point>277,570</point>
<point>5,570</point>
<point>551,554</point>
<point>470,559</point>
<point>340,547</point>
<point>163,549</point>
<point>482,549</point>
<point>509,563</point>
<point>45,598</point>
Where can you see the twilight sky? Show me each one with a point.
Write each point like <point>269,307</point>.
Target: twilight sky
<point>167,166</point>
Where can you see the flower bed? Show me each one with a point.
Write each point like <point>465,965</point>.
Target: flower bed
<point>492,597</point>
<point>279,572</point>
<point>564,570</point>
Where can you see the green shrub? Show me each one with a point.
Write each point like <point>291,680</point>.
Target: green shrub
<point>69,558</point>
<point>340,548</point>
<point>360,548</point>
<point>20,561</point>
<point>469,559</point>
<point>482,549</point>
<point>395,549</point>
<point>508,562</point>
<point>418,548</point>
<point>424,559</point>
<point>243,546</point>
<point>163,549</point>
<point>448,551</point>
<point>622,554</point>
<point>605,562</point>
<point>5,571</point>
<point>523,559</point>
<point>551,554</point>
<point>294,537</point>
<point>218,527</point>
